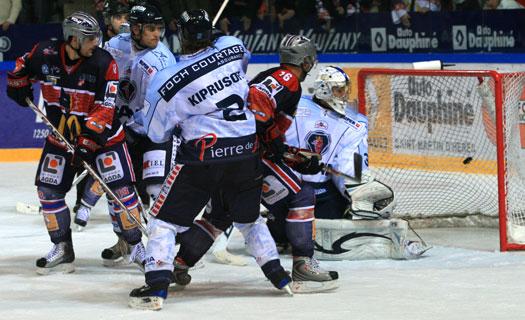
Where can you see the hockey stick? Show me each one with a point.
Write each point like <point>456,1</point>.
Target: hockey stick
<point>80,177</point>
<point>86,166</point>
<point>218,15</point>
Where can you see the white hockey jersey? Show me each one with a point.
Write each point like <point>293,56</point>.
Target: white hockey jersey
<point>335,137</point>
<point>205,95</point>
<point>136,69</point>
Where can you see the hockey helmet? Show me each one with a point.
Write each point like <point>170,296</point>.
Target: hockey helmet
<point>332,86</point>
<point>194,25</point>
<point>114,7</point>
<point>298,50</point>
<point>81,25</point>
<point>145,14</point>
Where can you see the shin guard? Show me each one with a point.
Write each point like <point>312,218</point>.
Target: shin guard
<point>56,214</point>
<point>259,241</point>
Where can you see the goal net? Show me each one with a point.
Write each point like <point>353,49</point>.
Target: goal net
<point>450,143</point>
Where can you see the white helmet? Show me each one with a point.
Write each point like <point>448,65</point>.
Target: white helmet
<point>327,80</point>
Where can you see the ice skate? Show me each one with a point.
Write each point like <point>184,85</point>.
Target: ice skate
<point>138,255</point>
<point>147,298</point>
<point>60,258</point>
<point>180,276</point>
<point>116,254</point>
<point>308,277</point>
<point>222,255</point>
<point>82,214</point>
<point>281,280</point>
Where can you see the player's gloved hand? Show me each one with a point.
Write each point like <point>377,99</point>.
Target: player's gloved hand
<point>85,149</point>
<point>310,165</point>
<point>19,88</point>
<point>276,148</point>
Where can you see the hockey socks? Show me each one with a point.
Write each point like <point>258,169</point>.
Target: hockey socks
<point>299,234</point>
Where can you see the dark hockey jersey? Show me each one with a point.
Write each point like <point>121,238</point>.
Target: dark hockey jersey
<point>274,95</point>
<point>78,99</point>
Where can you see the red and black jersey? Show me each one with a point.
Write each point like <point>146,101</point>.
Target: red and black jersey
<point>79,98</point>
<point>273,97</point>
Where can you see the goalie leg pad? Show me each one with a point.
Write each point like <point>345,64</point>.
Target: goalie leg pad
<point>160,250</point>
<point>361,239</point>
<point>259,241</point>
<point>56,214</point>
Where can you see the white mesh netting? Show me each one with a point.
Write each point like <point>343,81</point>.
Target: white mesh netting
<point>433,139</point>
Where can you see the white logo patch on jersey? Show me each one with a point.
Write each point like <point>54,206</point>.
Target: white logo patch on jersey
<point>153,164</point>
<point>271,86</point>
<point>109,166</point>
<point>273,190</point>
<point>52,169</point>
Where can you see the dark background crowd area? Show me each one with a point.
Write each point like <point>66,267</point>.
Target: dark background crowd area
<point>250,15</point>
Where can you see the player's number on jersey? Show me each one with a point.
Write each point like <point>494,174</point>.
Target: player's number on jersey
<point>72,124</point>
<point>232,108</point>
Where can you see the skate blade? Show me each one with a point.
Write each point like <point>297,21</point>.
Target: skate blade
<point>115,262</point>
<point>146,303</point>
<point>288,290</point>
<point>63,268</point>
<point>313,286</point>
<point>79,228</point>
<point>27,208</point>
<point>225,257</point>
<point>199,265</point>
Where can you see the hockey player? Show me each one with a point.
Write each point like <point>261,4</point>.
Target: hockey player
<point>139,56</point>
<point>116,15</point>
<point>273,98</point>
<point>327,125</point>
<point>79,86</point>
<point>205,95</point>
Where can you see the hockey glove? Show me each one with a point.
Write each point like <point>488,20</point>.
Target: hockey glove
<point>309,166</point>
<point>275,149</point>
<point>85,149</point>
<point>19,88</point>
<point>303,161</point>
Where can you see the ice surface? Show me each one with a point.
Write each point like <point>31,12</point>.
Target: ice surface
<point>463,277</point>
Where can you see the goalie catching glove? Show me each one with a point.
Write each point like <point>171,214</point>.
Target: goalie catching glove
<point>303,161</point>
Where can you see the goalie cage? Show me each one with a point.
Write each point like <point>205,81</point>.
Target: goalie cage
<point>450,143</point>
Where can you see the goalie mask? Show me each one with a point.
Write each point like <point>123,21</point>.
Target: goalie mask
<point>332,86</point>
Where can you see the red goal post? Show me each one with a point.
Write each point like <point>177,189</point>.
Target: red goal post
<point>451,143</point>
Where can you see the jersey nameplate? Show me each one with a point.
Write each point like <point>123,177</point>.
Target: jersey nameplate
<point>198,69</point>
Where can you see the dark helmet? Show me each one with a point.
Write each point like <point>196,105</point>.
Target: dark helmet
<point>114,7</point>
<point>81,25</point>
<point>145,14</point>
<point>194,25</point>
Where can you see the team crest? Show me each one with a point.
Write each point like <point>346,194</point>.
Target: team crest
<point>126,90</point>
<point>318,141</point>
